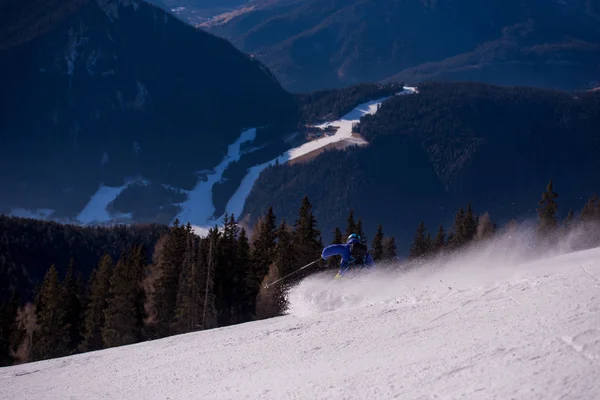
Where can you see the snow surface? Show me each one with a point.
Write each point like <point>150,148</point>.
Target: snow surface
<point>95,210</point>
<point>497,322</point>
<point>198,209</point>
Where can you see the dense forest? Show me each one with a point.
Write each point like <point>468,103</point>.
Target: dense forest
<point>449,144</point>
<point>90,288</point>
<point>189,283</point>
<point>329,105</point>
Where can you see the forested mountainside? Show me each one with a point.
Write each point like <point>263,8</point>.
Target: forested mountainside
<point>438,150</point>
<point>103,93</point>
<point>319,44</point>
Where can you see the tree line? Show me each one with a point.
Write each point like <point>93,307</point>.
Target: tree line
<point>192,283</point>
<point>468,227</point>
<point>189,283</point>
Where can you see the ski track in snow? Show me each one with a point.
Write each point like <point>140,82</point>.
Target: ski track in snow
<point>480,326</point>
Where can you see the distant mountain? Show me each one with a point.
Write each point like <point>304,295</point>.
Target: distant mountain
<point>315,44</point>
<point>435,151</point>
<point>113,108</point>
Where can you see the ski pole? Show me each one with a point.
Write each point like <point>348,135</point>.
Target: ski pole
<point>292,273</point>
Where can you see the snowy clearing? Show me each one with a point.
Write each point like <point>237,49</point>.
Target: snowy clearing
<point>495,323</point>
<point>198,209</point>
<point>95,212</point>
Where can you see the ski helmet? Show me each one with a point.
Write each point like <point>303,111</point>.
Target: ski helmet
<point>353,236</point>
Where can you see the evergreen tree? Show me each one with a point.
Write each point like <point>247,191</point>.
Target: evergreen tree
<point>420,246</point>
<point>8,327</point>
<point>243,303</point>
<point>590,210</point>
<point>457,239</point>
<point>351,225</point>
<point>209,311</point>
<point>569,219</point>
<point>284,261</point>
<point>167,285</point>
<point>137,265</point>
<point>377,245</point>
<point>547,211</point>
<point>262,256</point>
<point>284,251</point>
<point>359,229</point>
<point>52,337</point>
<point>94,316</point>
<point>226,270</point>
<point>485,228</point>
<point>125,305</point>
<point>389,248</point>
<point>306,237</point>
<point>469,225</point>
<point>440,239</point>
<point>188,296</point>
<point>428,244</point>
<point>73,300</point>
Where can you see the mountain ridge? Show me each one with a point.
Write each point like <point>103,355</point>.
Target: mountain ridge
<point>326,44</point>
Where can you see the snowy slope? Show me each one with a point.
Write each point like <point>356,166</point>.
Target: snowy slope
<point>493,324</point>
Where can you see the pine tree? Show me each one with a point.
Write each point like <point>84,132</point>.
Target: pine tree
<point>137,265</point>
<point>94,316</point>
<point>8,327</point>
<point>52,337</point>
<point>226,270</point>
<point>306,237</point>
<point>284,252</point>
<point>243,303</point>
<point>273,300</point>
<point>440,239</point>
<point>428,244</point>
<point>167,285</point>
<point>389,248</point>
<point>209,311</point>
<point>420,247</point>
<point>124,315</point>
<point>590,210</point>
<point>457,239</point>
<point>351,225</point>
<point>73,300</point>
<point>469,225</point>
<point>262,256</point>
<point>569,219</point>
<point>485,228</point>
<point>359,229</point>
<point>377,245</point>
<point>188,296</point>
<point>547,211</point>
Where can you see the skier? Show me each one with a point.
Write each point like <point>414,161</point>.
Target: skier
<point>355,254</point>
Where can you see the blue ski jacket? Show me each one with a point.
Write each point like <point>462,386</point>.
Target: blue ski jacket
<point>344,251</point>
